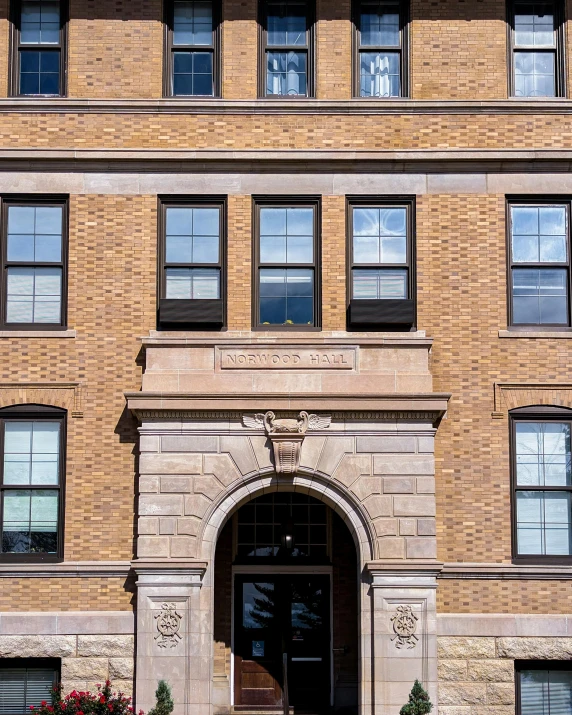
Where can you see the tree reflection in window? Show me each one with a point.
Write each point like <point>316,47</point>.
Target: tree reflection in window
<point>259,609</point>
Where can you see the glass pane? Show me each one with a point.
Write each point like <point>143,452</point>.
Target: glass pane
<point>286,73</point>
<point>539,234</point>
<point>192,283</point>
<point>286,235</point>
<point>30,520</point>
<point>193,74</point>
<point>379,284</point>
<point>286,23</point>
<point>380,74</point>
<point>192,235</point>
<point>192,22</point>
<point>534,74</point>
<point>306,606</point>
<point>534,25</point>
<point>379,235</point>
<point>543,523</point>
<point>39,72</point>
<point>31,452</point>
<point>540,297</point>
<point>34,295</point>
<point>543,454</point>
<point>40,22</point>
<point>35,233</point>
<point>258,604</point>
<point>379,24</point>
<point>286,296</point>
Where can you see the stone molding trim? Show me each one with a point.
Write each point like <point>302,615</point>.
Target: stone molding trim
<point>501,624</point>
<point>43,334</point>
<point>506,572</point>
<point>510,395</point>
<point>70,105</point>
<point>67,569</point>
<point>540,334</point>
<point>69,623</point>
<point>67,395</point>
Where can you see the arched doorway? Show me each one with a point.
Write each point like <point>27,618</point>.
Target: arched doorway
<point>286,606</point>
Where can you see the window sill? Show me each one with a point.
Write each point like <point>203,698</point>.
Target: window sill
<point>38,334</point>
<point>550,334</point>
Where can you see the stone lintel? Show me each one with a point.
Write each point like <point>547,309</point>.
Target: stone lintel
<point>174,572</point>
<point>404,574</point>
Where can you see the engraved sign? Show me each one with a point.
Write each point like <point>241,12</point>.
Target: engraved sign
<point>259,358</point>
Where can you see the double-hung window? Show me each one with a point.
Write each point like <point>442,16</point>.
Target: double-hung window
<point>191,274</point>
<point>34,264</point>
<point>287,48</point>
<point>381,48</point>
<point>543,687</point>
<point>39,47</point>
<point>193,48</point>
<point>539,254</point>
<point>536,49</point>
<point>381,280</point>
<point>31,484</point>
<point>26,682</point>
<point>286,263</point>
<point>542,482</point>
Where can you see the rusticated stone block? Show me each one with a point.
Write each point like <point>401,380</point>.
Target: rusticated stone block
<point>491,671</point>
<point>535,648</point>
<point>196,505</point>
<point>188,526</point>
<point>414,506</point>
<point>451,648</point>
<point>352,467</point>
<point>378,506</point>
<point>455,710</point>
<point>462,693</point>
<point>209,486</point>
<point>38,646</point>
<point>500,693</point>
<point>85,669</point>
<point>112,646</point>
<point>183,546</point>
<point>452,670</point>
<point>120,668</point>
<point>161,505</point>
<point>385,527</point>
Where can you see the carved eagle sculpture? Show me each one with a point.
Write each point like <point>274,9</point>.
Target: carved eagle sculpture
<point>298,425</point>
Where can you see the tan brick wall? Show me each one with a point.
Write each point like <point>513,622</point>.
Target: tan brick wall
<point>333,50</point>
<point>115,49</point>
<point>240,49</point>
<point>239,262</point>
<point>511,597</point>
<point>66,594</point>
<point>333,263</point>
<point>458,50</point>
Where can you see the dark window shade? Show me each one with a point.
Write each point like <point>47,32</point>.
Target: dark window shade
<point>23,687</point>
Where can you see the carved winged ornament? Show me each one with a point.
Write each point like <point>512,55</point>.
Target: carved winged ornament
<point>286,435</point>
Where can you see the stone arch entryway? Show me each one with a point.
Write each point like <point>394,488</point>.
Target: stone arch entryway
<point>286,609</point>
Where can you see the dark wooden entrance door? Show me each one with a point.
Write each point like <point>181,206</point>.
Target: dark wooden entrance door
<point>277,615</point>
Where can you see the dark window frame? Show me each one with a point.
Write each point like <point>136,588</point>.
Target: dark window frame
<point>534,201</point>
<point>31,413</point>
<point>379,201</point>
<point>264,48</point>
<point>558,51</point>
<point>520,665</point>
<point>15,46</point>
<point>534,413</point>
<point>215,48</point>
<point>314,202</point>
<point>403,49</point>
<point>192,201</point>
<point>6,202</point>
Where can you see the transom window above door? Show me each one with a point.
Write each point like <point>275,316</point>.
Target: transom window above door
<point>283,525</point>
<point>539,248</point>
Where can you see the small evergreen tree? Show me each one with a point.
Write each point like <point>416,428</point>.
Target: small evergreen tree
<point>419,703</point>
<point>165,704</point>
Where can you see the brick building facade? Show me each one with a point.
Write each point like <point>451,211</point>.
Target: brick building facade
<point>411,404</point>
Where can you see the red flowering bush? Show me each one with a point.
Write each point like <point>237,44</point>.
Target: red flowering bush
<point>104,702</point>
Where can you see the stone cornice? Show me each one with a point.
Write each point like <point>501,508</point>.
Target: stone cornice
<point>66,569</point>
<point>359,107</point>
<point>506,571</point>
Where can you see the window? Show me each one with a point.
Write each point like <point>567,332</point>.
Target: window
<point>39,47</point>
<point>380,42</point>
<point>543,687</point>
<point>536,49</point>
<point>25,682</point>
<point>193,48</point>
<point>192,278</point>
<point>539,264</point>
<point>381,281</point>
<point>34,275</point>
<point>263,523</point>
<point>542,482</point>
<point>31,484</point>
<point>287,49</point>
<point>286,260</point>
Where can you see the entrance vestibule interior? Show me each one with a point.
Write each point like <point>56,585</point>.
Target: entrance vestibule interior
<point>286,607</point>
